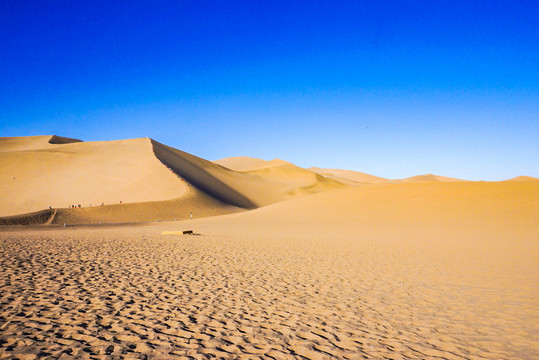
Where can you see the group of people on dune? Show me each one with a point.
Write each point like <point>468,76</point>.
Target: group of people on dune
<point>74,206</point>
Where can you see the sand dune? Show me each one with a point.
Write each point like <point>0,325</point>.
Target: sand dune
<point>428,178</point>
<point>298,180</point>
<point>157,181</point>
<point>248,164</point>
<point>354,176</point>
<point>432,270</point>
<point>484,204</point>
<point>38,172</point>
<point>348,177</point>
<point>87,173</point>
<point>247,189</point>
<point>523,178</point>
<point>245,163</point>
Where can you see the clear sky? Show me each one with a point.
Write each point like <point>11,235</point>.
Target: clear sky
<point>391,88</point>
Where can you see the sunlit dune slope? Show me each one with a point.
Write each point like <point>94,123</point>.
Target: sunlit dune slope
<point>58,175</point>
<point>354,176</point>
<point>487,204</point>
<point>32,142</point>
<point>246,163</point>
<point>523,178</point>
<point>428,178</point>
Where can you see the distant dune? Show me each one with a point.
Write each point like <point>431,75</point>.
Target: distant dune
<point>354,176</point>
<point>523,178</point>
<point>245,163</point>
<point>428,178</point>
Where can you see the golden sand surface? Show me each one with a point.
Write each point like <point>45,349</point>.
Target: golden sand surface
<point>330,264</point>
<point>344,275</point>
<point>39,172</point>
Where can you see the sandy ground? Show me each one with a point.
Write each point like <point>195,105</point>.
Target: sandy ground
<point>423,268</point>
<point>248,288</point>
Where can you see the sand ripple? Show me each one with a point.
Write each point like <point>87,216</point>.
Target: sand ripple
<point>109,294</point>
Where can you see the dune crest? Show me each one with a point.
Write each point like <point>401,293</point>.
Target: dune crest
<point>32,142</point>
<point>86,173</point>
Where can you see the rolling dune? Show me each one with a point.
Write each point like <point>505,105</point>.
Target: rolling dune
<point>428,178</point>
<point>246,163</point>
<point>51,171</point>
<point>355,176</point>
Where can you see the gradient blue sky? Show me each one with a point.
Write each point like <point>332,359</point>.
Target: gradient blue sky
<point>391,88</point>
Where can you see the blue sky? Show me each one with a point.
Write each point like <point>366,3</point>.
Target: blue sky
<point>392,88</point>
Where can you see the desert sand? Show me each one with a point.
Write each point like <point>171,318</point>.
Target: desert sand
<point>49,171</point>
<point>311,268</point>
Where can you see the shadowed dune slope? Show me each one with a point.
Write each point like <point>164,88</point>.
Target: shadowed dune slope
<point>264,185</point>
<point>58,175</point>
<point>523,178</point>
<point>194,202</point>
<point>215,180</point>
<point>35,218</point>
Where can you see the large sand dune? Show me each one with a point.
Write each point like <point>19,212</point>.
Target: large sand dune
<point>87,173</point>
<point>51,171</point>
